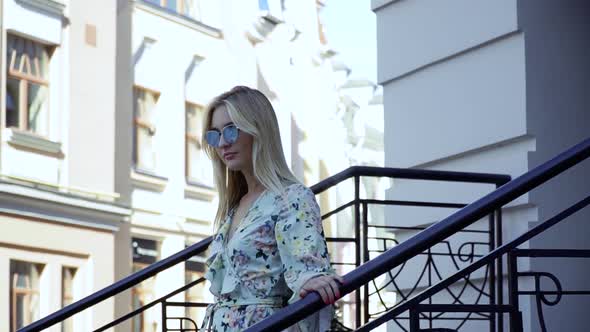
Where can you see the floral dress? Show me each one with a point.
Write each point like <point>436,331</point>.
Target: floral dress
<point>277,247</point>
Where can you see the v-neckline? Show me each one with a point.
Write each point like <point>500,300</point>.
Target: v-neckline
<point>233,213</point>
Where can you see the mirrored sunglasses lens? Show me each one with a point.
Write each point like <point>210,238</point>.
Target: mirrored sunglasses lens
<point>212,138</point>
<point>230,134</point>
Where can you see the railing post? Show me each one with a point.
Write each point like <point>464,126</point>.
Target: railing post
<point>515,318</point>
<point>164,320</point>
<point>492,269</point>
<point>357,239</point>
<point>414,320</point>
<point>429,262</point>
<point>500,275</point>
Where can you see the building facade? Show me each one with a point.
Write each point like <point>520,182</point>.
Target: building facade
<point>494,87</point>
<point>60,220</point>
<point>101,164</point>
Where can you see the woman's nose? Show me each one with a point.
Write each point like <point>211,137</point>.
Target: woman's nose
<point>222,142</point>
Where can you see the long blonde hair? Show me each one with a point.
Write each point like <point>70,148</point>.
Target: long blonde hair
<point>253,113</point>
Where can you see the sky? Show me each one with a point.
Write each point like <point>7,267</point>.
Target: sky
<point>350,27</point>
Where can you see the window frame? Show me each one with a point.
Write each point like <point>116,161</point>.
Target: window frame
<point>189,138</point>
<point>27,292</point>
<point>197,295</point>
<point>67,299</point>
<point>25,80</point>
<point>182,7</point>
<point>138,291</point>
<point>139,123</point>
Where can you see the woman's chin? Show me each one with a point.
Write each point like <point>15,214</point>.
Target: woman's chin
<point>232,165</point>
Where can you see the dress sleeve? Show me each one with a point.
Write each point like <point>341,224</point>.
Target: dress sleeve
<point>303,250</point>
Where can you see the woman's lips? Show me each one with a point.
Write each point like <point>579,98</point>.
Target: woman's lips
<point>229,155</point>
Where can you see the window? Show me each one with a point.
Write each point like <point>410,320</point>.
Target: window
<point>24,293</point>
<point>27,85</point>
<point>263,5</point>
<point>198,166</point>
<point>144,156</point>
<point>272,9</point>
<point>145,252</point>
<point>189,8</point>
<point>143,294</point>
<point>192,9</point>
<point>194,295</point>
<point>194,270</point>
<point>67,295</point>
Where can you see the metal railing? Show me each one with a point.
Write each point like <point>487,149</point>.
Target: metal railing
<point>364,251</point>
<point>360,240</point>
<point>399,254</point>
<point>430,237</point>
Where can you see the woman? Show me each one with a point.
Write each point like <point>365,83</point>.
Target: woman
<point>269,248</point>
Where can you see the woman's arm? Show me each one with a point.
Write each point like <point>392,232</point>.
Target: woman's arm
<point>302,246</point>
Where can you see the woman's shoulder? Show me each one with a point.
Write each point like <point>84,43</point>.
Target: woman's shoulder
<point>296,188</point>
<point>294,192</point>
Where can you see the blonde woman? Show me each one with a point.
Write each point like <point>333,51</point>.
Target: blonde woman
<point>269,249</point>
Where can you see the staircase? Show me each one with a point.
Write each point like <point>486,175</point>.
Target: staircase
<point>457,267</point>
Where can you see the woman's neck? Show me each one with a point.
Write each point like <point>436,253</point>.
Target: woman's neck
<point>254,186</point>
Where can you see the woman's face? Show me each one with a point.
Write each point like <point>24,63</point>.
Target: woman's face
<point>236,156</point>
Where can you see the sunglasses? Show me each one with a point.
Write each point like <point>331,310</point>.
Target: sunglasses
<point>229,133</point>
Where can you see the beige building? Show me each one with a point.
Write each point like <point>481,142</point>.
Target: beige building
<point>59,216</point>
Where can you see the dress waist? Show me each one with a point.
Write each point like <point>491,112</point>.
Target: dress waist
<point>229,302</point>
<point>269,301</point>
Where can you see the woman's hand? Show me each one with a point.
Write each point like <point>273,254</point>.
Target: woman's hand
<point>326,286</point>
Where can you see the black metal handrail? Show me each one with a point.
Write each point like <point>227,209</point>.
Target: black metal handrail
<point>430,236</point>
<point>351,172</point>
<point>411,174</point>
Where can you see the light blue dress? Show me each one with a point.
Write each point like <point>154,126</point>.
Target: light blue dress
<point>278,246</point>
